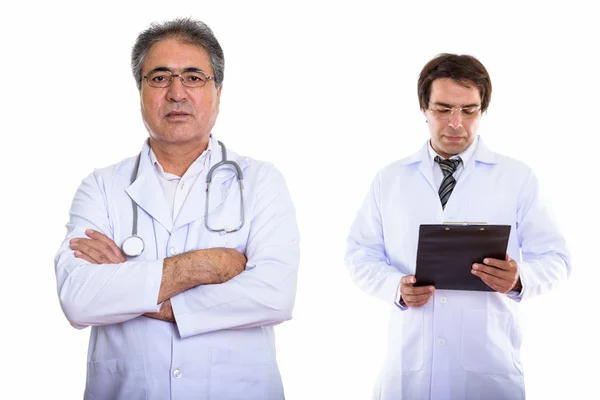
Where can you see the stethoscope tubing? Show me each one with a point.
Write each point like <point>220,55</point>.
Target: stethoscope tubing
<point>136,241</point>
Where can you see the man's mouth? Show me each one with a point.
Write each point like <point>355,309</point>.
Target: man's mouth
<point>177,114</point>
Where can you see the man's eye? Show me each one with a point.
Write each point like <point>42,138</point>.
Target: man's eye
<point>159,78</point>
<point>470,110</point>
<point>194,78</point>
<point>444,110</point>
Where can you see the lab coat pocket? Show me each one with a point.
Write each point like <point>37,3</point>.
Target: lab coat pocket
<point>239,375</point>
<point>487,343</point>
<point>116,379</point>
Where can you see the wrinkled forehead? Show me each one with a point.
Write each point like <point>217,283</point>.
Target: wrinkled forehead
<point>177,55</point>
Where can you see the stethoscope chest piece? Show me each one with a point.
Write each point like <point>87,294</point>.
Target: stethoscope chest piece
<point>133,246</point>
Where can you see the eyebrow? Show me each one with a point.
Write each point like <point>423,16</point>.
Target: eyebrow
<point>439,103</point>
<point>166,69</point>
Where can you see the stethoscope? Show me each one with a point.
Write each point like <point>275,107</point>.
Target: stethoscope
<point>133,246</point>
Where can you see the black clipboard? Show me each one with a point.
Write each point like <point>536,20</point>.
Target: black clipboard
<point>446,253</point>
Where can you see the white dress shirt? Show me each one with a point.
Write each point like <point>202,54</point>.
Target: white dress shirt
<point>175,188</point>
<point>465,156</point>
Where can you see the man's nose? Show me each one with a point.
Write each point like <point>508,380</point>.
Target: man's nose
<point>455,120</point>
<point>176,91</point>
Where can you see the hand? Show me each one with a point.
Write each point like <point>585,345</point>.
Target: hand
<point>414,296</point>
<point>98,249</point>
<point>500,275</point>
<point>165,313</point>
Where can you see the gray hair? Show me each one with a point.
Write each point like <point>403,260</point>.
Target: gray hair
<point>187,31</point>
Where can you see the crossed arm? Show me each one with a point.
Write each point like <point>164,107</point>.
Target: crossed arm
<point>210,289</point>
<point>180,273</point>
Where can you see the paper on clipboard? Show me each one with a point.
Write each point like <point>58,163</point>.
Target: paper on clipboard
<point>446,253</point>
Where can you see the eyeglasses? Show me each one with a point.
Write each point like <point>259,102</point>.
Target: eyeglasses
<point>444,112</point>
<point>163,79</point>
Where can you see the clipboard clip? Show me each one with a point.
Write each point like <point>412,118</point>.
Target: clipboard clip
<point>463,223</point>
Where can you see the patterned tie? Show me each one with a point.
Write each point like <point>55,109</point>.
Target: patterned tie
<point>448,167</point>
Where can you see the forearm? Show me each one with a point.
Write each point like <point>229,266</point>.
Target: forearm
<point>372,274</point>
<point>366,257</point>
<point>104,291</point>
<point>106,294</point>
<point>545,259</point>
<point>542,274</point>
<point>262,295</point>
<point>198,267</point>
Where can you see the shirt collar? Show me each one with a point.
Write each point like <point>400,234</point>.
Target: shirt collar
<point>465,156</point>
<point>197,166</point>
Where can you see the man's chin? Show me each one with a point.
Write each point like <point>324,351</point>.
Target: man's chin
<point>453,140</point>
<point>452,149</point>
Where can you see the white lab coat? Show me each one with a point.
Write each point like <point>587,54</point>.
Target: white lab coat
<point>461,344</point>
<point>223,345</point>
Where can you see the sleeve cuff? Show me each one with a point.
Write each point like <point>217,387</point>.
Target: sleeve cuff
<point>398,301</point>
<point>513,294</point>
<point>153,281</point>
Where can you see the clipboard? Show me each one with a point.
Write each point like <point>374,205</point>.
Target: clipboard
<point>446,253</point>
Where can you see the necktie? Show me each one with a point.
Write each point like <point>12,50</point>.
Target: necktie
<point>448,167</point>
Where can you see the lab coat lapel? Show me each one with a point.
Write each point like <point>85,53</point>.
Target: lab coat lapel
<point>147,193</point>
<point>481,155</point>
<point>223,179</point>
<point>425,169</point>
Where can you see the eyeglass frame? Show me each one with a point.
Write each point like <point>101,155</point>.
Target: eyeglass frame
<point>173,76</point>
<point>459,109</point>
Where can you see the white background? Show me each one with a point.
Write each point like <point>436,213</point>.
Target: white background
<point>327,92</point>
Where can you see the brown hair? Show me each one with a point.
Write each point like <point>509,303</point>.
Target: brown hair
<point>464,69</point>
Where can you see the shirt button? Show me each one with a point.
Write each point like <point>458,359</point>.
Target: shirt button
<point>173,251</point>
<point>442,342</point>
<point>177,373</point>
<point>444,300</point>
